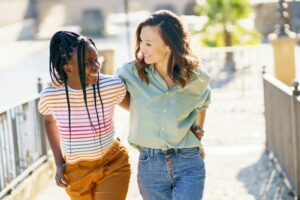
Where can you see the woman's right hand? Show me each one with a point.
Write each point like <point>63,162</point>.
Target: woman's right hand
<point>60,176</point>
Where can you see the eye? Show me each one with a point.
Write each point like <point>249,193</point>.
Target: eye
<point>89,62</point>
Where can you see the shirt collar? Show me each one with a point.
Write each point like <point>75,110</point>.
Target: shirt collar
<point>150,69</point>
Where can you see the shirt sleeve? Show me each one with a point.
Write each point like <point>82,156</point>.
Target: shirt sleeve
<point>206,98</point>
<point>121,92</point>
<point>126,71</point>
<point>44,104</point>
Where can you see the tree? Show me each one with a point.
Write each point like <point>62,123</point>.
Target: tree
<point>222,27</point>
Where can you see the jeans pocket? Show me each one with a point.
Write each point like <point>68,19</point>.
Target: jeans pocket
<point>189,153</point>
<point>144,157</point>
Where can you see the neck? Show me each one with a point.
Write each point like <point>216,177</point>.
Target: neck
<point>74,85</point>
<point>162,70</point>
<point>162,67</point>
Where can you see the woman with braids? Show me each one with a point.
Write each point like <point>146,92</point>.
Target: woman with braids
<point>169,94</point>
<point>78,108</point>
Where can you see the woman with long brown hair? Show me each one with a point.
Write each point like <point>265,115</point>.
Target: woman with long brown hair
<point>168,94</point>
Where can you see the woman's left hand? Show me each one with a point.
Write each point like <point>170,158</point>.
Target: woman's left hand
<point>202,153</point>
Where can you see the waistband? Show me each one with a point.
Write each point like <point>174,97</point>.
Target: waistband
<point>109,152</point>
<point>166,151</point>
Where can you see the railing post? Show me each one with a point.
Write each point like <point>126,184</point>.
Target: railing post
<point>296,134</point>
<point>264,70</point>
<point>39,84</point>
<point>43,135</point>
<point>16,143</point>
<point>284,42</point>
<point>41,130</point>
<point>296,91</point>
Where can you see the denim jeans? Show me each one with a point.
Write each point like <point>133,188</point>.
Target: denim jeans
<point>173,174</point>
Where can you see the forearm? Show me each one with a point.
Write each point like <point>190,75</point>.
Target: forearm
<point>201,118</point>
<point>197,128</point>
<point>126,101</point>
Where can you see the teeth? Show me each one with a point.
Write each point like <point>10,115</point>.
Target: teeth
<point>94,75</point>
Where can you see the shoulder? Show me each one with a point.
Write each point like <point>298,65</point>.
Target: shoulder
<point>201,74</point>
<point>108,80</point>
<point>199,82</point>
<point>127,69</point>
<point>51,90</point>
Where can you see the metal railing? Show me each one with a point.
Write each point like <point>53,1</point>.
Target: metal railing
<point>282,112</point>
<point>23,145</point>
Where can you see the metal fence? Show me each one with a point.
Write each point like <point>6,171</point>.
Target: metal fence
<point>22,143</point>
<point>282,112</point>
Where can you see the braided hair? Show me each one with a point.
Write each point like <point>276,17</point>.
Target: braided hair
<point>62,44</point>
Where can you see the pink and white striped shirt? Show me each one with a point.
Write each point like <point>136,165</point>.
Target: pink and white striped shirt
<point>85,142</point>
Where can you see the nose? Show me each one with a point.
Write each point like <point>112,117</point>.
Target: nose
<point>95,67</point>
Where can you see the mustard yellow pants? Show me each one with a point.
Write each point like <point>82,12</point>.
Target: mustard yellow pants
<point>103,179</point>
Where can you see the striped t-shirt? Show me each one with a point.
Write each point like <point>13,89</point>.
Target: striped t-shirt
<point>86,142</point>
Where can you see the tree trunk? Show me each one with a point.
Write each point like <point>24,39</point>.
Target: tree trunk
<point>229,62</point>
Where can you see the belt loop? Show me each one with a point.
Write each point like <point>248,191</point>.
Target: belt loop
<point>177,151</point>
<point>151,151</point>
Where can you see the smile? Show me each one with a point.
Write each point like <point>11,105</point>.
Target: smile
<point>94,75</point>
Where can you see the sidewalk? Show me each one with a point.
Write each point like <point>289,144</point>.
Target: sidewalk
<point>237,167</point>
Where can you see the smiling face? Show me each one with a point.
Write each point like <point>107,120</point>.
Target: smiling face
<point>152,46</point>
<point>92,67</point>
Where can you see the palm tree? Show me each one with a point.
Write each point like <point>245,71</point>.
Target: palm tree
<point>223,16</point>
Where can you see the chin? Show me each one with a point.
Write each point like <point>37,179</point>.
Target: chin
<point>92,82</point>
<point>149,62</point>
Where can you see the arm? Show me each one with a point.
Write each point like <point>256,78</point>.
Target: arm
<point>125,103</point>
<point>54,140</point>
<point>201,118</point>
<point>197,128</point>
<point>200,132</point>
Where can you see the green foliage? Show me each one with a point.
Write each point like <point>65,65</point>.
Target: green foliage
<point>223,17</point>
<point>213,36</point>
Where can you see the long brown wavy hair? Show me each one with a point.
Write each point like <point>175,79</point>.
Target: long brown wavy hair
<point>181,62</point>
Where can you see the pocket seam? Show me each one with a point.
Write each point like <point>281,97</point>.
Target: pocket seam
<point>146,160</point>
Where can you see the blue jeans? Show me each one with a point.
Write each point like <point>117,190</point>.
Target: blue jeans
<point>173,174</point>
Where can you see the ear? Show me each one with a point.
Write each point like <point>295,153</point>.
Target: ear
<point>67,68</point>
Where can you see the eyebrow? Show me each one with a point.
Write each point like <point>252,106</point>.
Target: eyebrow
<point>146,40</point>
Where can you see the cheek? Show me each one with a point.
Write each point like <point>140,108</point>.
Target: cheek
<point>158,54</point>
<point>154,52</point>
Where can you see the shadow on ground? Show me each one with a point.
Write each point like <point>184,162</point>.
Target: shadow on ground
<point>263,181</point>
<point>224,76</point>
